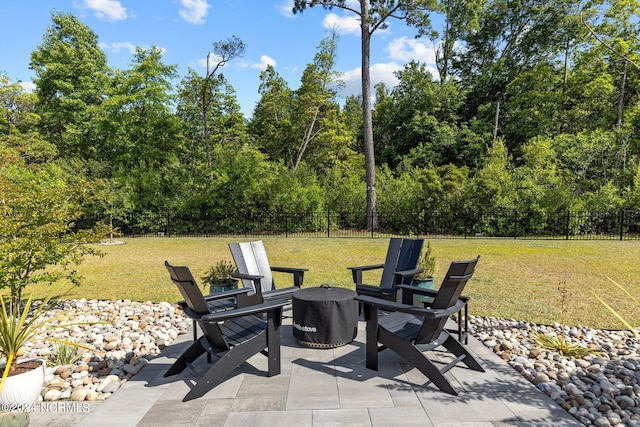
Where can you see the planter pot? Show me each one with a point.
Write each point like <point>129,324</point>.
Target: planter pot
<point>428,283</point>
<point>214,289</point>
<point>23,389</point>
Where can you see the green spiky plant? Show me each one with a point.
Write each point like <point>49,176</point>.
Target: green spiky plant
<point>64,354</point>
<point>20,326</point>
<point>219,274</point>
<point>559,342</point>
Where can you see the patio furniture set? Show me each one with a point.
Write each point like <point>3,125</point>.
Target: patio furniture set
<point>239,324</point>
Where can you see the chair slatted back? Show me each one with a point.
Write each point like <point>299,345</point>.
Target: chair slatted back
<point>451,289</point>
<point>251,258</point>
<point>402,254</point>
<point>409,256</point>
<point>181,276</point>
<point>188,287</point>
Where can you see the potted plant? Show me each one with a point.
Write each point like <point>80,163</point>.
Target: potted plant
<point>22,381</point>
<point>219,279</point>
<point>427,262</point>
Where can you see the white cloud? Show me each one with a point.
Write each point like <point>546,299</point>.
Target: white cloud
<point>213,60</point>
<point>116,47</point>
<point>347,24</point>
<point>407,49</point>
<point>194,11</point>
<point>286,8</point>
<point>110,10</point>
<point>129,47</point>
<point>384,72</point>
<point>239,63</point>
<point>28,87</point>
<point>264,62</point>
<point>380,72</point>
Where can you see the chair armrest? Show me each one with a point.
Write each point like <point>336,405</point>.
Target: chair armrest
<point>298,273</point>
<point>282,293</point>
<point>244,311</point>
<point>356,272</point>
<point>405,273</point>
<point>412,289</point>
<point>289,269</point>
<point>226,294</point>
<point>367,267</point>
<point>373,290</point>
<point>253,277</point>
<point>416,311</point>
<point>400,275</point>
<point>239,294</point>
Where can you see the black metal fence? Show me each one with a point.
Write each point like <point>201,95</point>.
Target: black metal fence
<point>622,225</point>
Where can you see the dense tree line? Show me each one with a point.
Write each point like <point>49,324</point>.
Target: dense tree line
<point>535,108</point>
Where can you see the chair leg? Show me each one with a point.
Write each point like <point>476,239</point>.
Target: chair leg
<point>273,342</point>
<point>463,326</point>
<point>371,315</point>
<point>194,351</point>
<point>418,359</point>
<point>455,347</point>
<point>227,363</point>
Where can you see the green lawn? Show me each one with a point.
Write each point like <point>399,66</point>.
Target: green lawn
<point>514,278</point>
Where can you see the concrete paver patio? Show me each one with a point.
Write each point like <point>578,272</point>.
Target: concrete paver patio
<point>322,387</point>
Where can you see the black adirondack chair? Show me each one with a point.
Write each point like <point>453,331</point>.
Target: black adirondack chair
<point>411,331</point>
<point>428,297</point>
<point>399,268</point>
<point>220,301</point>
<point>256,273</point>
<point>231,336</point>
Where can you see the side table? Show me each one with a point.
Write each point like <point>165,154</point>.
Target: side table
<point>324,317</point>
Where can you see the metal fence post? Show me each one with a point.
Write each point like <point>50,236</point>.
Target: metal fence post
<point>328,223</point>
<point>372,218</point>
<point>621,223</point>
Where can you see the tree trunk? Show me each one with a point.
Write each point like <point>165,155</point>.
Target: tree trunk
<point>205,112</point>
<point>308,136</point>
<point>446,49</point>
<point>623,84</point>
<point>496,122</point>
<point>205,126</point>
<point>367,120</point>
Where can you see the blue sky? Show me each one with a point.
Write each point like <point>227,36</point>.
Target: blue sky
<point>186,29</point>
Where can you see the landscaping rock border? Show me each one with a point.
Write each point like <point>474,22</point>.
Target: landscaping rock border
<point>600,390</point>
<point>122,337</point>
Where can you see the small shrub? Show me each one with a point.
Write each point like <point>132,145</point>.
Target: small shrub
<point>219,274</point>
<point>64,354</point>
<point>559,343</point>
<point>427,262</point>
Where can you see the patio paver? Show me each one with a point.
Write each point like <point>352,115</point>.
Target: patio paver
<point>323,388</point>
